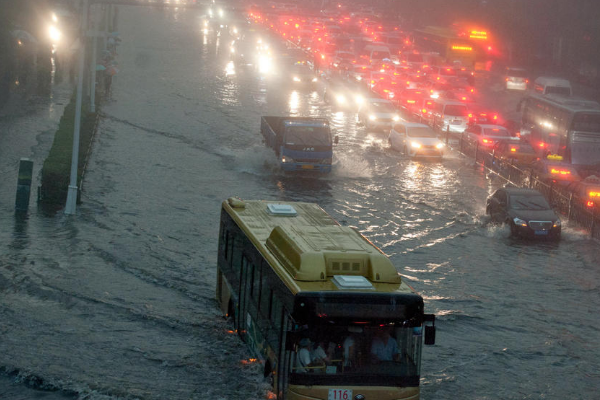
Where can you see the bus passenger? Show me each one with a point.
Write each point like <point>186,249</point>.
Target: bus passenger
<point>303,359</point>
<point>384,347</point>
<point>350,346</point>
<point>320,355</point>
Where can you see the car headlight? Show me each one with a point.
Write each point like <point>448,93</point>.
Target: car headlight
<point>519,221</point>
<point>557,223</point>
<point>54,33</point>
<point>315,79</point>
<point>359,99</point>
<point>439,145</point>
<point>415,145</point>
<point>372,117</point>
<point>396,118</point>
<point>296,79</point>
<point>340,99</point>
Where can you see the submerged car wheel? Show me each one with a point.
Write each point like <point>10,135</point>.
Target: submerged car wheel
<point>405,150</point>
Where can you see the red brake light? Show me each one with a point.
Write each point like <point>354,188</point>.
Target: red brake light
<point>590,203</point>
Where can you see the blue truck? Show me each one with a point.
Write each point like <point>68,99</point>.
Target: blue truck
<point>300,143</point>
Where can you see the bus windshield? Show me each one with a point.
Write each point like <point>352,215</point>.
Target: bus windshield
<point>307,135</point>
<point>374,353</point>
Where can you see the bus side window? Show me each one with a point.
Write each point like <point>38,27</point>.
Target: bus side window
<point>229,241</point>
<point>223,241</point>
<point>265,299</point>
<point>252,278</point>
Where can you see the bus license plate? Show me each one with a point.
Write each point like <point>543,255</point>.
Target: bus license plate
<point>340,394</point>
<point>308,166</point>
<point>541,232</point>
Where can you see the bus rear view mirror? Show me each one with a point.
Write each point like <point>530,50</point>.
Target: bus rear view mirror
<point>430,335</point>
<point>429,329</point>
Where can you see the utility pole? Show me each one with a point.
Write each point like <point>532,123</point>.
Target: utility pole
<point>72,192</point>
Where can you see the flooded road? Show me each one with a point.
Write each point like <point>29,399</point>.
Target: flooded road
<point>118,301</point>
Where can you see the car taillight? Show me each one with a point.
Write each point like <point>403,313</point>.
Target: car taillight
<point>559,171</point>
<point>590,203</point>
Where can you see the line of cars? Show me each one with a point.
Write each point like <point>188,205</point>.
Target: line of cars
<point>416,102</point>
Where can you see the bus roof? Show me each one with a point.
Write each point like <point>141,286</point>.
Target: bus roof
<point>438,31</point>
<point>571,103</point>
<point>310,251</point>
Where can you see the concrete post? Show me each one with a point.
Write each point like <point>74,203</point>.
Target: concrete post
<point>24,184</point>
<point>72,192</point>
<point>93,64</point>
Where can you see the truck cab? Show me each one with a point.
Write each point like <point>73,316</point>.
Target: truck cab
<point>300,143</point>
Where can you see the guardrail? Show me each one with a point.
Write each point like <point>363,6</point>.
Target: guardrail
<point>567,203</point>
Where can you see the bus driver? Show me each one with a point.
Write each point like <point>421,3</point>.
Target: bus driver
<point>384,347</point>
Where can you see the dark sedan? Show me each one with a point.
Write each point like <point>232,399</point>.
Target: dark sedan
<point>526,211</point>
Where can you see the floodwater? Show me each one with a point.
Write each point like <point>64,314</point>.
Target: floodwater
<point>117,302</point>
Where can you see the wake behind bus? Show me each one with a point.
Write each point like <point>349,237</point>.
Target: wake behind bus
<point>324,309</point>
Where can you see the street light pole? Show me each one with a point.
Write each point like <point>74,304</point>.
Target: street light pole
<point>72,192</point>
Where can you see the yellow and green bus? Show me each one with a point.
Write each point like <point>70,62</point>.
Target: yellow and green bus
<point>324,310</point>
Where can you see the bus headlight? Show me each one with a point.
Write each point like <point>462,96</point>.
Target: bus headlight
<point>54,33</point>
<point>519,221</point>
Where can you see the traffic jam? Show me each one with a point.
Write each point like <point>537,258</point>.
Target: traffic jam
<point>428,90</point>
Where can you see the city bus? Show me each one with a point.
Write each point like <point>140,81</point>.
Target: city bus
<point>565,126</point>
<point>294,281</point>
<point>447,45</point>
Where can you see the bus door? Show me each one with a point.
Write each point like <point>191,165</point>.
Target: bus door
<point>286,356</point>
